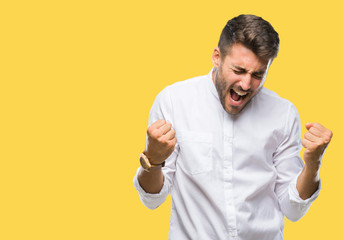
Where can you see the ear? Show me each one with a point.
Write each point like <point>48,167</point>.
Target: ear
<point>216,57</point>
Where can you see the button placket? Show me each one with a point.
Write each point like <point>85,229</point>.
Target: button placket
<point>228,175</point>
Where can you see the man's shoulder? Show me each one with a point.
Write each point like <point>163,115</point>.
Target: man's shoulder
<point>270,102</point>
<point>272,97</point>
<point>187,87</point>
<point>190,83</point>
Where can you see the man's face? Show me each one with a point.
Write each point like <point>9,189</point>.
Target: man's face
<point>237,77</point>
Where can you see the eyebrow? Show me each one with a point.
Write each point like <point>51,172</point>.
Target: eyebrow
<point>260,72</point>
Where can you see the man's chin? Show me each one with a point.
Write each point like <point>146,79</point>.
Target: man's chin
<point>233,110</point>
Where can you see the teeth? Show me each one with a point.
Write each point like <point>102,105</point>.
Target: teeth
<point>241,93</point>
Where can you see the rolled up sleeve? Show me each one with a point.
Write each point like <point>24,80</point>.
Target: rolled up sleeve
<point>151,201</point>
<point>293,206</point>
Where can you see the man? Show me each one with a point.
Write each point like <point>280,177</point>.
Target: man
<point>227,149</point>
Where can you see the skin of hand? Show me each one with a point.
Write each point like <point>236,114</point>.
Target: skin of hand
<point>315,142</point>
<point>161,141</point>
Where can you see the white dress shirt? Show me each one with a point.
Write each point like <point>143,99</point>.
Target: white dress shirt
<point>230,176</point>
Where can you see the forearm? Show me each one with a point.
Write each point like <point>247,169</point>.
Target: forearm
<point>308,181</point>
<point>151,182</point>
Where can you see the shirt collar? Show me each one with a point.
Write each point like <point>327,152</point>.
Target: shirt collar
<point>211,84</point>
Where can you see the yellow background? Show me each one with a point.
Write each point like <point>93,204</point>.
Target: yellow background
<point>78,79</point>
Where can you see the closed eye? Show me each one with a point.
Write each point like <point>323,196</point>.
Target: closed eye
<point>258,76</point>
<point>238,71</point>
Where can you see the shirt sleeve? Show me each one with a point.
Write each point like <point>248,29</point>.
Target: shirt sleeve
<point>288,164</point>
<point>161,109</point>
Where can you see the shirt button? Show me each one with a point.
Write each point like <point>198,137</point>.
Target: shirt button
<point>227,139</point>
<point>233,233</point>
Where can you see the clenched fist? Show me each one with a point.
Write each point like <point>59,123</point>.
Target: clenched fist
<point>161,141</point>
<point>315,141</point>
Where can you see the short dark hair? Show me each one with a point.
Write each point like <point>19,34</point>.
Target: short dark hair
<point>254,33</point>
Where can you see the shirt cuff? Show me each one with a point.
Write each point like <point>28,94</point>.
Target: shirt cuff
<point>295,198</point>
<point>151,200</point>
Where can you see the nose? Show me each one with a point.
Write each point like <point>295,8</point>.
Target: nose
<point>246,82</point>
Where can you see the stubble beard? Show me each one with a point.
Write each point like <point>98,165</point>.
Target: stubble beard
<point>221,86</point>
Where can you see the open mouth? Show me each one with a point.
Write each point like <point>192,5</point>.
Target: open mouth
<point>237,96</point>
